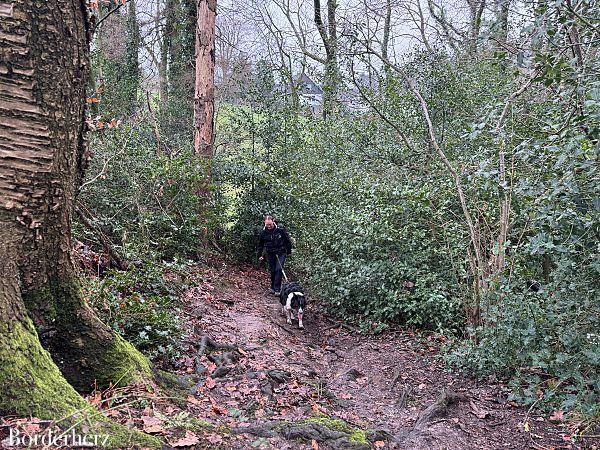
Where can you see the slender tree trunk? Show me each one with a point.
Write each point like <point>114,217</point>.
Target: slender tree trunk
<point>330,42</point>
<point>502,11</point>
<point>179,109</point>
<point>476,8</point>
<point>166,53</point>
<point>204,99</point>
<point>385,43</point>
<point>132,64</point>
<point>43,75</point>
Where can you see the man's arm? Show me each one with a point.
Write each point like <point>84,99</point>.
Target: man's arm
<point>287,241</point>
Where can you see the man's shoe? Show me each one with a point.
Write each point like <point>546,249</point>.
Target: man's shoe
<point>276,293</point>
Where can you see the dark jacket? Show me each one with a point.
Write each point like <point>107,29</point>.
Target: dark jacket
<point>275,241</point>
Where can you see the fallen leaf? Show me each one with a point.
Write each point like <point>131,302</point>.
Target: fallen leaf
<point>314,445</point>
<point>526,427</point>
<point>214,438</point>
<point>193,400</point>
<point>152,424</point>
<point>379,444</point>
<point>217,408</point>
<point>187,441</point>
<point>210,383</point>
<point>31,428</point>
<point>557,416</point>
<point>480,413</point>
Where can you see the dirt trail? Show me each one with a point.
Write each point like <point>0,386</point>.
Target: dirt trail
<point>248,380</point>
<point>289,386</point>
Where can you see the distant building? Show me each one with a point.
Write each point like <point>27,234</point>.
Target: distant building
<point>310,93</point>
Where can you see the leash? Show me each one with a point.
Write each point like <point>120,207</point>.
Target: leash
<point>282,271</point>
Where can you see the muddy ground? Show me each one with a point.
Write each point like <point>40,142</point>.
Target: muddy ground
<point>290,387</point>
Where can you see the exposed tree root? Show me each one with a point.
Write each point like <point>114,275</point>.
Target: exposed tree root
<point>336,433</point>
<point>343,325</point>
<point>223,361</point>
<point>417,437</point>
<point>437,409</point>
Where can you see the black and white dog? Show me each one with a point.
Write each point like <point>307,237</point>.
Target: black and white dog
<point>292,298</point>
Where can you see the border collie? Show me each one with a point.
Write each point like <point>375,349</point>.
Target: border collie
<point>292,298</point>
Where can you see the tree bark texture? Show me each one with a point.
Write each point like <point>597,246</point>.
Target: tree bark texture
<point>204,99</point>
<point>44,49</point>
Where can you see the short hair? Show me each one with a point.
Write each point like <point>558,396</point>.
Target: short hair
<point>269,216</point>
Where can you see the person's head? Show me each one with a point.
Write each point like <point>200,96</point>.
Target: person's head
<point>269,222</point>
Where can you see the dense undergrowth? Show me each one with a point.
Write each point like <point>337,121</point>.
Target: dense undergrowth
<point>380,232</point>
<point>381,235</point>
<point>143,305</point>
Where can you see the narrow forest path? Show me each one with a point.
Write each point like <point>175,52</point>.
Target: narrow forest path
<point>285,388</point>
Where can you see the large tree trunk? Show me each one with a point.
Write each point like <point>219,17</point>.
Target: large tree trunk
<point>204,100</point>
<point>30,382</point>
<point>43,73</point>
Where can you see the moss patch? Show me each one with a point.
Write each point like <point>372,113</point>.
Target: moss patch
<point>199,424</point>
<point>32,385</point>
<point>122,437</point>
<point>122,364</point>
<point>355,435</point>
<point>87,352</point>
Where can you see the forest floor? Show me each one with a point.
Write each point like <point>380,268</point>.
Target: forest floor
<point>324,387</point>
<point>328,386</point>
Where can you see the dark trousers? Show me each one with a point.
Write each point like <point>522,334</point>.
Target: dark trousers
<point>276,268</point>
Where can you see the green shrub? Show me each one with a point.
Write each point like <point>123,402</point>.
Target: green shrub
<point>142,304</point>
<point>146,201</point>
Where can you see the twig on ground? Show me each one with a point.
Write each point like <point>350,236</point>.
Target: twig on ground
<point>282,327</point>
<point>344,325</point>
<point>397,373</point>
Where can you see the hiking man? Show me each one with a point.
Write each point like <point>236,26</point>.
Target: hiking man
<point>275,240</point>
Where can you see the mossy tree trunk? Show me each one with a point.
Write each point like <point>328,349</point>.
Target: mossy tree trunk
<point>44,69</point>
<point>179,111</point>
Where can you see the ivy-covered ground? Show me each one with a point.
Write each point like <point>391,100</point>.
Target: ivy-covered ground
<point>275,386</point>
